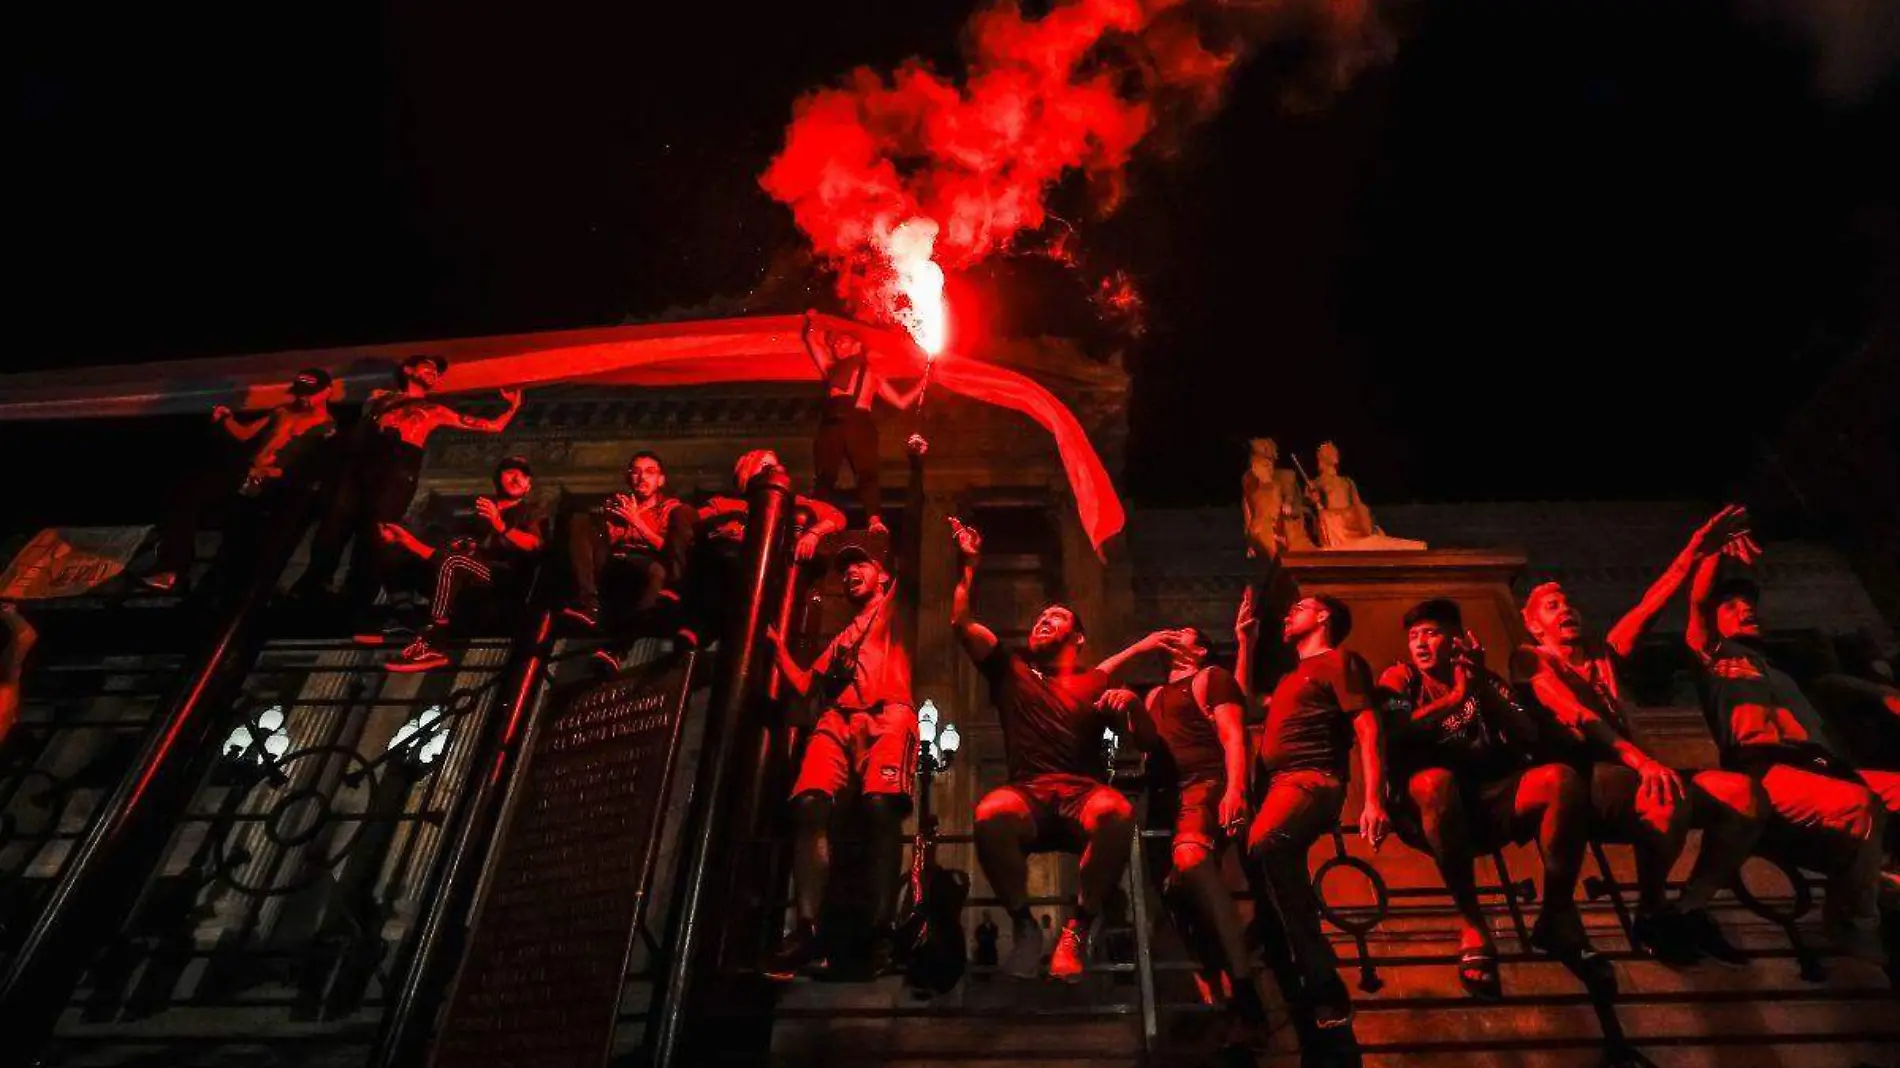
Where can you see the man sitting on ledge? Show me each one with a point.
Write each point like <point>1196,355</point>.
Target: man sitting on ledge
<point>1461,754</point>
<point>1769,731</point>
<point>1057,799</point>
<point>1635,798</point>
<point>481,568</point>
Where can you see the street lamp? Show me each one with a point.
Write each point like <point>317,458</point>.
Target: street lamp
<point>263,740</point>
<point>434,737</point>
<point>936,745</point>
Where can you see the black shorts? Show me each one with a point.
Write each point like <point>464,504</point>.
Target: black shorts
<point>1490,810</point>
<point>1056,803</point>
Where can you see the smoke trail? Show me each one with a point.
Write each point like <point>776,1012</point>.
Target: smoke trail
<point>1076,91</point>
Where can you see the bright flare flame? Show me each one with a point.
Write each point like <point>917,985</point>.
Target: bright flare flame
<point>920,306</point>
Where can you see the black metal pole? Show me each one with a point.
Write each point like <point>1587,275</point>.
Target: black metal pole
<point>456,871</point>
<point>769,500</point>
<point>109,868</point>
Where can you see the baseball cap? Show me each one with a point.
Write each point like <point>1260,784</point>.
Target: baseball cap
<point>309,382</point>
<point>852,554</point>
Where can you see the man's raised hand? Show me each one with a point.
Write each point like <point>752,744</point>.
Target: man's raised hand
<point>1246,620</point>
<point>969,539</point>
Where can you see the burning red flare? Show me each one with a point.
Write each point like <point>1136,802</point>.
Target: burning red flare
<point>921,307</point>
<point>897,178</point>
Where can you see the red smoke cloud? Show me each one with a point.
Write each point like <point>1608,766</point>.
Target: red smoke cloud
<point>1076,90</point>
<point>1072,91</point>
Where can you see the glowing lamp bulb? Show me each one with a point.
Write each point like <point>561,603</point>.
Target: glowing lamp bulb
<point>277,745</point>
<point>272,718</point>
<point>927,722</point>
<point>950,739</point>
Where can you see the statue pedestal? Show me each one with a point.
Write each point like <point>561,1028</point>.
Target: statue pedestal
<point>1380,586</point>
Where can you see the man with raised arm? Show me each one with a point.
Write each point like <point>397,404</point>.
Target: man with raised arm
<point>1635,798</point>
<point>379,476</point>
<point>1053,712</point>
<point>261,456</point>
<point>866,737</point>
<point>1313,717</point>
<point>847,429</point>
<point>1769,731</point>
<point>1460,756</point>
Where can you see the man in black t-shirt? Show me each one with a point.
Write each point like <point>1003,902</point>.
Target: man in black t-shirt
<point>489,551</point>
<point>1460,754</point>
<point>1317,711</point>
<point>1053,714</point>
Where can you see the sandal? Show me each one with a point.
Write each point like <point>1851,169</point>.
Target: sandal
<point>1478,973</point>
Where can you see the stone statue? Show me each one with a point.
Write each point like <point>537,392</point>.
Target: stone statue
<point>1344,520</point>
<point>1271,505</point>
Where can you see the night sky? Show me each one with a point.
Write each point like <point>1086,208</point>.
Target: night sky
<point>1551,250</point>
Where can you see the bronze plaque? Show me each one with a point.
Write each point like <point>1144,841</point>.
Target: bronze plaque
<point>541,981</point>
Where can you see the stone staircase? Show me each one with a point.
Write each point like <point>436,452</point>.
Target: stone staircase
<point>1763,1016</point>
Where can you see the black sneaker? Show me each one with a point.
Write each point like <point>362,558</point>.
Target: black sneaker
<point>1702,932</point>
<point>796,952</point>
<point>1665,937</point>
<point>880,959</point>
<point>1245,1004</point>
<point>1332,1005</point>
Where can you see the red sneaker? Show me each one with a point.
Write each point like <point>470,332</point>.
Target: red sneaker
<point>419,656</point>
<point>1071,956</point>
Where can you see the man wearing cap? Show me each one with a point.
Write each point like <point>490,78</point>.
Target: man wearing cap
<point>490,551</point>
<point>379,476</point>
<point>1768,730</point>
<point>260,456</point>
<point>867,736</point>
<point>645,534</point>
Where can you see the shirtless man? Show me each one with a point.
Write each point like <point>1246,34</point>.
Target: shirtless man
<point>847,430</point>
<point>379,479</point>
<point>262,455</point>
